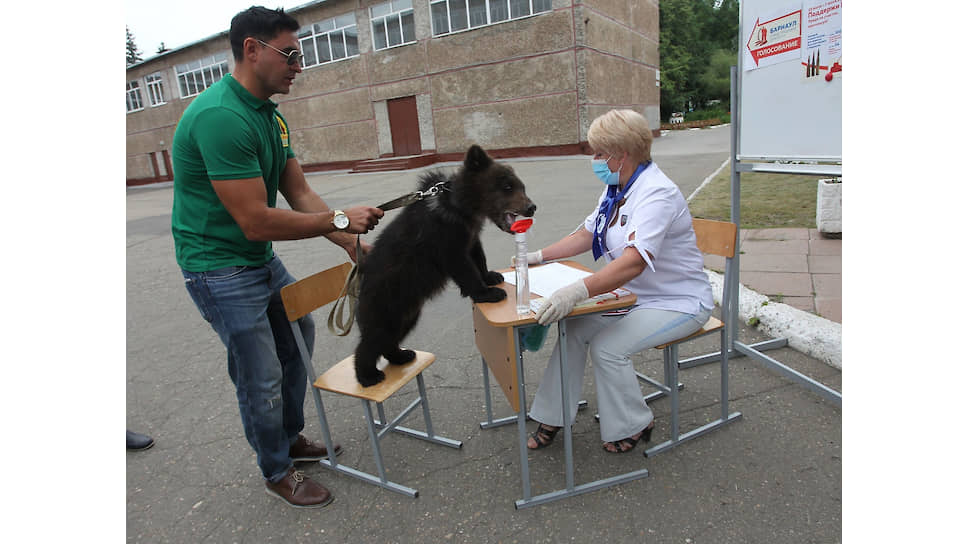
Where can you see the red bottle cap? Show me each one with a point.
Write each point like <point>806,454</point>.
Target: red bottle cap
<point>521,225</point>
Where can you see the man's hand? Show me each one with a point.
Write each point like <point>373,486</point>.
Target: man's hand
<point>362,219</point>
<point>351,250</point>
<point>561,302</point>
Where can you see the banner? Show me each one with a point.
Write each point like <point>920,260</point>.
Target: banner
<point>822,52</point>
<point>775,38</point>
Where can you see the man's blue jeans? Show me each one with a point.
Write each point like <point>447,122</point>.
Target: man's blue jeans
<point>243,305</point>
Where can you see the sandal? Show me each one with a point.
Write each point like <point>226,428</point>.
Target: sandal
<point>630,442</point>
<point>543,436</point>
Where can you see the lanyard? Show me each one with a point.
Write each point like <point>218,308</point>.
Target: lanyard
<point>612,197</point>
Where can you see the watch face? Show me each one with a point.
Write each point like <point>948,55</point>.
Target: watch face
<point>340,220</point>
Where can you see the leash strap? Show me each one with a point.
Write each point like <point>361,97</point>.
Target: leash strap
<point>343,313</point>
<point>400,202</point>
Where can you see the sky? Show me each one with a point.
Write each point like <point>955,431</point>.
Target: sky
<point>181,22</point>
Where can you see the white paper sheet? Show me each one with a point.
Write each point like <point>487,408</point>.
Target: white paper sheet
<point>543,280</point>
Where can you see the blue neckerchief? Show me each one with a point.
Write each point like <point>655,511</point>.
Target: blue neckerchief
<point>612,197</point>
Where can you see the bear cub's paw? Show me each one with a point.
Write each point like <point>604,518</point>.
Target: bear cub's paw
<point>492,294</point>
<point>493,278</point>
<point>368,378</point>
<point>402,357</point>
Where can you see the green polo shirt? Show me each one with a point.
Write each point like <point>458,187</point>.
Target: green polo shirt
<point>225,133</point>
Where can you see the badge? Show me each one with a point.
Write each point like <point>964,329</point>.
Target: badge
<point>625,219</point>
<point>600,223</point>
<point>283,131</point>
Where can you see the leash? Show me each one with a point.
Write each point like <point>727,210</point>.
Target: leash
<point>343,313</point>
<point>410,198</point>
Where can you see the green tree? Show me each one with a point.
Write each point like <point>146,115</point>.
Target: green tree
<point>680,53</point>
<point>695,38</point>
<point>133,55</point>
<point>721,23</point>
<point>715,79</point>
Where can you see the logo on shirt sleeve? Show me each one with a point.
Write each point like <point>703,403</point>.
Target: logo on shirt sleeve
<point>283,131</point>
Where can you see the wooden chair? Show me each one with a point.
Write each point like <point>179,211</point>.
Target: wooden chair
<point>718,238</point>
<point>305,296</point>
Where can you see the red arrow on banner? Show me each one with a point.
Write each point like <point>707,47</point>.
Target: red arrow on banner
<point>778,35</point>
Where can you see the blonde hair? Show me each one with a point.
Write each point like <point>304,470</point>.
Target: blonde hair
<point>622,130</point>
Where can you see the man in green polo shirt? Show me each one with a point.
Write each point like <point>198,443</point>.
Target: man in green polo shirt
<point>231,156</point>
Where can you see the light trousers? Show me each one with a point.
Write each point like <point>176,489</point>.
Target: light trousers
<point>609,341</point>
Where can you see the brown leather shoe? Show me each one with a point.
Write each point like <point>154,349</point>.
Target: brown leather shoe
<point>299,491</point>
<point>306,450</point>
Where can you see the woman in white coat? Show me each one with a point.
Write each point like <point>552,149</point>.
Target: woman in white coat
<point>642,227</point>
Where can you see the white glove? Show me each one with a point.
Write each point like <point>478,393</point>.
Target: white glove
<point>561,302</point>
<point>534,257</point>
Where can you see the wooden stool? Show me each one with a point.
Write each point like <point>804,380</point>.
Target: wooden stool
<point>717,238</point>
<point>304,296</point>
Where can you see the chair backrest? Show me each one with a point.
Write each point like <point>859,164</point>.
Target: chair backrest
<point>308,294</point>
<point>716,237</point>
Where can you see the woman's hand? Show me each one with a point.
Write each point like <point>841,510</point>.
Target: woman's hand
<point>561,302</point>
<point>534,257</point>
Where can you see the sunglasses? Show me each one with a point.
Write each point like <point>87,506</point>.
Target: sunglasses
<point>292,57</point>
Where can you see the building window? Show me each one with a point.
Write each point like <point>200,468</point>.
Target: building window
<point>156,91</point>
<point>197,76</point>
<point>133,97</point>
<point>329,40</point>
<point>392,24</point>
<point>449,16</point>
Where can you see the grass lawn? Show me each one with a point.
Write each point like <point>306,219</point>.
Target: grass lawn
<point>766,200</point>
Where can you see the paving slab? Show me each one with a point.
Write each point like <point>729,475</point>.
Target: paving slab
<point>754,246</point>
<point>777,262</point>
<point>825,264</point>
<point>827,285</point>
<point>807,304</point>
<point>825,247</point>
<point>777,234</point>
<point>778,283</point>
<point>830,308</point>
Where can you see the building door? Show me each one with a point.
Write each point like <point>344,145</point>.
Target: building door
<point>404,127</point>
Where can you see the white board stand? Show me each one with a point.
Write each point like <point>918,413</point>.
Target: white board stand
<point>781,124</point>
<point>755,351</point>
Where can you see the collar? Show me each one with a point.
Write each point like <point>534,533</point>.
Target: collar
<point>613,190</point>
<point>247,98</point>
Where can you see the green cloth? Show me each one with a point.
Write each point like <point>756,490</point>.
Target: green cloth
<point>533,337</point>
<point>225,133</point>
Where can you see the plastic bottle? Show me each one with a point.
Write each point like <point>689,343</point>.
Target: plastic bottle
<point>523,290</point>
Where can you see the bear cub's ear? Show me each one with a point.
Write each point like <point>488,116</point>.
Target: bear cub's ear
<point>477,159</point>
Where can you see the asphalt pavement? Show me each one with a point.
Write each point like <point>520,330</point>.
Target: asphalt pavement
<point>772,476</point>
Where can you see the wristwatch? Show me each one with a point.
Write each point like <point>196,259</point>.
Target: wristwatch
<point>340,221</point>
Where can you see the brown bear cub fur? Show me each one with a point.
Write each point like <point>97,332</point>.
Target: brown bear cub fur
<point>430,241</point>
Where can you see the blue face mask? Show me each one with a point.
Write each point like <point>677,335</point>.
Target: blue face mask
<point>600,167</point>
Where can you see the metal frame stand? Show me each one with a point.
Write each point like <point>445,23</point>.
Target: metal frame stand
<point>737,348</point>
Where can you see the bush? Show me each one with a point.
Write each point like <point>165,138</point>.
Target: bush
<point>721,113</point>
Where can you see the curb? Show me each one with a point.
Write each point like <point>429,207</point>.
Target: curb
<point>807,333</point>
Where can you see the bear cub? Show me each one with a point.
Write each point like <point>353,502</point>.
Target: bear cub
<point>431,241</point>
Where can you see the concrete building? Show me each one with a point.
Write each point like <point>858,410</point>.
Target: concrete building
<point>422,80</point>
